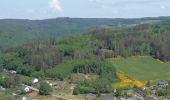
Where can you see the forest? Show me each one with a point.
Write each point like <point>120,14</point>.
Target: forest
<point>59,57</point>
<point>14,32</point>
<point>143,39</point>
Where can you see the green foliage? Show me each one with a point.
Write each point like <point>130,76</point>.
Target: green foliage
<point>58,58</point>
<point>9,81</point>
<point>5,97</point>
<point>76,46</point>
<point>76,91</point>
<point>161,92</point>
<point>83,90</point>
<point>60,72</point>
<point>97,86</point>
<point>16,32</point>
<point>102,86</point>
<point>25,70</point>
<point>40,55</point>
<point>25,80</point>
<point>102,68</point>
<point>144,39</point>
<point>45,89</point>
<point>38,74</point>
<point>87,66</point>
<point>118,93</point>
<point>10,61</point>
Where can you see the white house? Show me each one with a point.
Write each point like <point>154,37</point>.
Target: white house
<point>51,84</point>
<point>12,71</point>
<point>24,98</point>
<point>1,88</point>
<point>25,88</point>
<point>35,80</point>
<point>143,88</point>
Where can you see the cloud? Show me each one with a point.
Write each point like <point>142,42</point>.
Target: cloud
<point>55,5</point>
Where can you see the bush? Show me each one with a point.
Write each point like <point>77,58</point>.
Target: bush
<point>76,91</point>
<point>161,92</point>
<point>26,80</point>
<point>45,89</point>
<point>38,74</point>
<point>98,86</point>
<point>25,70</point>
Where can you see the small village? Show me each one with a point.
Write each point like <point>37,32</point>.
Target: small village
<point>126,89</point>
<point>84,49</point>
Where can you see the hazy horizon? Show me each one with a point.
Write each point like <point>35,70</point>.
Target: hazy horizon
<point>47,9</point>
<point>80,18</point>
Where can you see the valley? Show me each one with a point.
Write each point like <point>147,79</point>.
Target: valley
<point>77,59</point>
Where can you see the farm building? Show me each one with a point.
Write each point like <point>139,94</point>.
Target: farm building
<point>35,80</point>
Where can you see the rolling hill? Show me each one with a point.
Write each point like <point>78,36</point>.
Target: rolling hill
<point>16,31</point>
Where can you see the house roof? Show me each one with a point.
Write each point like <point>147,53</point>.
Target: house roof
<point>162,82</point>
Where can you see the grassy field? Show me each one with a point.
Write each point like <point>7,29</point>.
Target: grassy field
<point>143,68</point>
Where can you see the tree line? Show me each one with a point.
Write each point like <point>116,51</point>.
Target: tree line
<point>144,39</point>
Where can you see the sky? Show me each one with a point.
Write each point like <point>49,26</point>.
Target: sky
<point>44,9</point>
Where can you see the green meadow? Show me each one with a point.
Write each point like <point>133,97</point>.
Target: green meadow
<point>143,68</point>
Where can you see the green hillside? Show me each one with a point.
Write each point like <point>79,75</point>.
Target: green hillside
<point>14,31</point>
<point>50,56</point>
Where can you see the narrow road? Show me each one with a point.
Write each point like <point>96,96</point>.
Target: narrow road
<point>32,88</point>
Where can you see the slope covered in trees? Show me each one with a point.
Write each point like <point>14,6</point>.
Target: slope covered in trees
<point>59,57</point>
<point>143,39</point>
<point>14,32</point>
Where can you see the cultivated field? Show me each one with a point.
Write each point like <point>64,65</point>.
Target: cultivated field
<point>143,68</point>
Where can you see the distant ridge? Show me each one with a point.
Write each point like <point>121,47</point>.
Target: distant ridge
<point>18,31</point>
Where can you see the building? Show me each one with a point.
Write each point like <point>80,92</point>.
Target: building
<point>154,88</point>
<point>25,89</point>
<point>2,89</point>
<point>12,71</point>
<point>162,83</point>
<point>35,80</point>
<point>143,88</point>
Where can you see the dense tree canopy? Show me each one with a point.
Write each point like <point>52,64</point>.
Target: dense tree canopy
<point>60,57</point>
<point>144,39</point>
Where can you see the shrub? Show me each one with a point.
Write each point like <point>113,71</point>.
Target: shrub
<point>45,89</point>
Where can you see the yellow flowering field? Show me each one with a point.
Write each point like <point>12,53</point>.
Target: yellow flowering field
<point>125,81</point>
